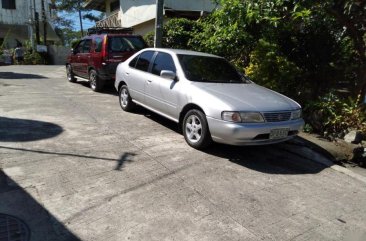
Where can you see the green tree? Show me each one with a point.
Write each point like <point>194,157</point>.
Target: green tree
<point>350,16</point>
<point>177,33</point>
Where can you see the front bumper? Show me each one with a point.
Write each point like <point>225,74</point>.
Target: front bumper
<point>250,133</point>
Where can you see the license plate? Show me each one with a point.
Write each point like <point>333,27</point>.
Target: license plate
<point>279,133</point>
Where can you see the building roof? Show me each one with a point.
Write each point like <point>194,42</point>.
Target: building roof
<point>95,5</point>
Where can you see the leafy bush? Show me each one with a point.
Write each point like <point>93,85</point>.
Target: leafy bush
<point>335,117</point>
<point>269,67</point>
<point>32,57</point>
<point>177,33</point>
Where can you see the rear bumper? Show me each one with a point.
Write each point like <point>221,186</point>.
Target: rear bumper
<point>250,134</point>
<point>107,73</point>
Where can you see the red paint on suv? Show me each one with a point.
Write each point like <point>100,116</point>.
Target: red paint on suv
<point>96,56</point>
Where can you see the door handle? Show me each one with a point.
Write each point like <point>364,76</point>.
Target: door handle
<point>127,73</point>
<point>149,81</point>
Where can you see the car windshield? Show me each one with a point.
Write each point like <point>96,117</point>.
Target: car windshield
<point>125,43</point>
<point>209,69</point>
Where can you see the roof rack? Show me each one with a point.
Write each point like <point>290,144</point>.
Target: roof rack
<point>101,30</point>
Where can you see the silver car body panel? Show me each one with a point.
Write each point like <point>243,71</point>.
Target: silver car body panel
<point>169,97</point>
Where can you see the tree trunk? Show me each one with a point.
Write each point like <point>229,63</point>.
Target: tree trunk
<point>362,82</point>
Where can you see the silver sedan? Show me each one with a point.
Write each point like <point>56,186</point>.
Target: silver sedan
<point>207,97</point>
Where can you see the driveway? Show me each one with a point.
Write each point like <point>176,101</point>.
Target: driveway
<point>74,166</point>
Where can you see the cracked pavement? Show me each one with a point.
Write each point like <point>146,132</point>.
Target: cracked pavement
<point>74,166</point>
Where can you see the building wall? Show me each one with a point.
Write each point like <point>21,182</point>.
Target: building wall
<point>23,12</point>
<point>144,28</point>
<point>19,16</point>
<point>15,22</point>
<point>135,12</point>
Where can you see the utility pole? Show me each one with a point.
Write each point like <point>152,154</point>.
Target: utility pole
<point>81,22</point>
<point>159,23</point>
<point>36,22</point>
<point>31,22</point>
<point>44,19</point>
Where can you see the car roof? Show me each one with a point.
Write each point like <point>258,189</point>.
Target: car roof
<point>182,52</point>
<point>113,34</point>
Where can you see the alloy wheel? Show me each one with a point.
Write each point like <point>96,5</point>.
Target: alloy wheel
<point>193,129</point>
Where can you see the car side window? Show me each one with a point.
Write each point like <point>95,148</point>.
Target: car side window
<point>163,61</point>
<point>143,62</point>
<point>79,47</point>
<point>134,61</point>
<point>87,46</point>
<point>98,44</point>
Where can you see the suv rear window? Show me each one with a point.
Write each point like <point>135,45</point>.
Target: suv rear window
<point>125,43</point>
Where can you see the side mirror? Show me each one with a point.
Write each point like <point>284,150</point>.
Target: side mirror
<point>167,74</point>
<point>74,51</point>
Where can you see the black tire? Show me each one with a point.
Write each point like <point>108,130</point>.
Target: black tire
<point>125,100</point>
<point>96,83</point>
<point>195,129</point>
<point>70,75</point>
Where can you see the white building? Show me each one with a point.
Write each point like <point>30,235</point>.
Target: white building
<point>140,14</point>
<point>17,21</point>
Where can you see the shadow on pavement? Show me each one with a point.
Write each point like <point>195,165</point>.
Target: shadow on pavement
<point>12,75</point>
<point>125,157</point>
<point>21,130</point>
<point>273,159</point>
<point>17,202</point>
<point>107,89</point>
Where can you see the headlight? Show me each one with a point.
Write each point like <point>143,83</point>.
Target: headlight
<point>296,114</point>
<point>246,117</point>
<point>231,116</point>
<point>251,117</point>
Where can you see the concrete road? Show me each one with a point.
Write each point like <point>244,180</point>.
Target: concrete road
<point>74,166</point>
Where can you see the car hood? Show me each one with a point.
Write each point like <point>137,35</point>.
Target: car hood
<point>246,97</point>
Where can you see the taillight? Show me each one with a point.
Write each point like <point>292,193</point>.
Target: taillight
<point>105,48</point>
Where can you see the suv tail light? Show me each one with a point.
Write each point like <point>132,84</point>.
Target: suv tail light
<point>105,49</point>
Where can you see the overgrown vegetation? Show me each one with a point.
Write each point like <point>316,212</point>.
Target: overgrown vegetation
<point>333,117</point>
<point>302,49</point>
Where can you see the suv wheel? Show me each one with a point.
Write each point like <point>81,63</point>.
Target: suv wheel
<point>95,82</point>
<point>125,99</point>
<point>195,129</point>
<point>70,74</point>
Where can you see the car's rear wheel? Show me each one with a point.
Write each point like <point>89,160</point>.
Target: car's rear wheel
<point>96,83</point>
<point>70,74</point>
<point>195,129</point>
<point>125,99</point>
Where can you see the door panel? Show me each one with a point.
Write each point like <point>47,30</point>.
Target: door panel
<point>137,75</point>
<point>85,57</point>
<point>161,93</point>
<point>75,58</point>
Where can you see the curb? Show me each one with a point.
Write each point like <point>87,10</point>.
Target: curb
<point>325,158</point>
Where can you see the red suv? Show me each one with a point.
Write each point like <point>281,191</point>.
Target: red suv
<point>95,57</point>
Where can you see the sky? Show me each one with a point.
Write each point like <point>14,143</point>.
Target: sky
<point>76,22</point>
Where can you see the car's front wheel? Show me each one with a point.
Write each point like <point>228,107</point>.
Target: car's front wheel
<point>96,83</point>
<point>125,99</point>
<point>195,129</point>
<point>70,74</point>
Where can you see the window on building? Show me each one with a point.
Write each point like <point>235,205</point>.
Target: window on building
<point>115,6</point>
<point>8,4</point>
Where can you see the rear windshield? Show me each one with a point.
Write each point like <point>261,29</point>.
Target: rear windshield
<point>125,43</point>
<point>209,69</point>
